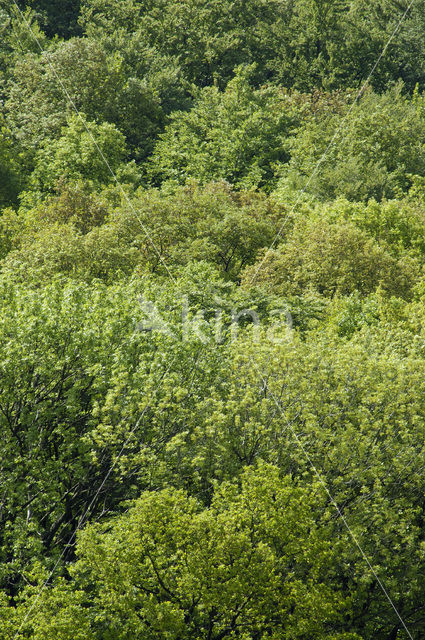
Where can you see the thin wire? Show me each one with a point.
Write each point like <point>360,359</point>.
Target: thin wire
<point>331,143</point>
<point>99,150</point>
<point>332,499</point>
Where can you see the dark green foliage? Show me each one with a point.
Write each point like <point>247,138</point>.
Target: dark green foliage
<point>305,43</point>
<point>370,151</point>
<point>10,180</point>
<point>78,74</point>
<point>237,135</point>
<point>57,18</point>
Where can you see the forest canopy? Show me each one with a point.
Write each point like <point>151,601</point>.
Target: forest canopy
<point>212,338</point>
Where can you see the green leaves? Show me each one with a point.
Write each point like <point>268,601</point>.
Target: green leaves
<point>236,135</point>
<point>333,259</point>
<point>10,180</point>
<point>239,446</point>
<point>370,152</point>
<point>65,235</point>
<point>170,569</point>
<point>48,87</point>
<point>85,150</point>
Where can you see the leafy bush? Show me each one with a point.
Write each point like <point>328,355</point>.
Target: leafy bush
<point>333,259</point>
<point>369,152</point>
<point>236,135</point>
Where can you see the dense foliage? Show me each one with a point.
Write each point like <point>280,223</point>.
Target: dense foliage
<point>212,329</point>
